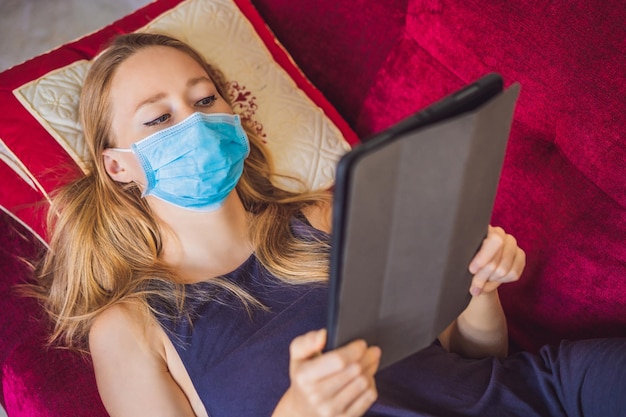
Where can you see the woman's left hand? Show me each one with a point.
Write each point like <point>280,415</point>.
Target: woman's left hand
<point>499,260</point>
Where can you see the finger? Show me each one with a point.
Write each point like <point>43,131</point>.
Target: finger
<point>490,286</point>
<point>506,261</point>
<point>334,361</point>
<point>355,393</point>
<point>371,360</point>
<point>482,276</point>
<point>515,272</point>
<point>327,388</point>
<point>360,405</point>
<point>306,346</point>
<point>520,262</point>
<point>491,245</point>
<point>501,275</point>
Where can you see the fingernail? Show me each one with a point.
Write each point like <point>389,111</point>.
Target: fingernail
<point>475,291</point>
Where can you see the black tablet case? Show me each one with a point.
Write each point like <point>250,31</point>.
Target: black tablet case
<point>418,209</point>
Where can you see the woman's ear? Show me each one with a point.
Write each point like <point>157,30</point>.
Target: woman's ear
<point>117,166</point>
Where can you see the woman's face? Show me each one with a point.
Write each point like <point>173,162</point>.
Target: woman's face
<point>153,89</point>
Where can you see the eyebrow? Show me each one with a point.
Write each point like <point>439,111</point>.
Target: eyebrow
<point>194,81</point>
<point>159,96</point>
<point>150,100</point>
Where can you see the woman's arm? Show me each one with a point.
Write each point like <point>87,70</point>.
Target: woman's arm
<point>131,372</point>
<point>481,328</point>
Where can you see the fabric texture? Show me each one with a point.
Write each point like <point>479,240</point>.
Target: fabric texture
<point>562,191</point>
<point>37,381</point>
<point>21,200</point>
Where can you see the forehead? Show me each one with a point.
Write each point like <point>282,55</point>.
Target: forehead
<point>154,67</point>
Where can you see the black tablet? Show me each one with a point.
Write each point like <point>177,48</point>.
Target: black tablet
<point>411,208</point>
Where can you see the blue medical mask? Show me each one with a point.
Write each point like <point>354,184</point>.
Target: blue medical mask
<point>196,163</point>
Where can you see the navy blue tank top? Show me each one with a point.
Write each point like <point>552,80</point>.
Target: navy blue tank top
<point>238,358</point>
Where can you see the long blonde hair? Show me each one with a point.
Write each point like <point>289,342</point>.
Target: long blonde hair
<point>105,243</point>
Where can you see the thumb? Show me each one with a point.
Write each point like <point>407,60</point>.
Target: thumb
<point>308,345</point>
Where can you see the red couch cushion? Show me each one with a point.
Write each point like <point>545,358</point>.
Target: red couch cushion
<point>563,187</point>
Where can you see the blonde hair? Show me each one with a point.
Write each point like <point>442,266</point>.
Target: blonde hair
<point>105,243</point>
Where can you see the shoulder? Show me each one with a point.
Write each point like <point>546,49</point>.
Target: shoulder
<point>122,333</point>
<point>129,360</point>
<point>121,323</point>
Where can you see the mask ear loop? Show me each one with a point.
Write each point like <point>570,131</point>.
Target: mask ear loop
<point>127,150</point>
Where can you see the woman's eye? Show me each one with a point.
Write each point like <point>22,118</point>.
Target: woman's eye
<point>207,101</point>
<point>161,119</point>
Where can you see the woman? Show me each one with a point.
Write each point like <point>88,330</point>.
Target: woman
<point>199,286</point>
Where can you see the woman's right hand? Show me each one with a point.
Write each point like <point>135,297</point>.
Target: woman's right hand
<point>339,383</point>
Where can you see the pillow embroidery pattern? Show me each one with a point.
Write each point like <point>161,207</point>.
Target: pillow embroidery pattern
<point>53,101</point>
<point>244,104</point>
<point>302,140</point>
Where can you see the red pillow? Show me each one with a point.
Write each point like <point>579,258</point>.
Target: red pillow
<point>22,201</point>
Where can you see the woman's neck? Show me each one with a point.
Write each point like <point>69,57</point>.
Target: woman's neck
<point>204,245</point>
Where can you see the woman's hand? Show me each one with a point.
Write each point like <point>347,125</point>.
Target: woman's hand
<point>499,260</point>
<point>338,383</point>
<point>481,330</point>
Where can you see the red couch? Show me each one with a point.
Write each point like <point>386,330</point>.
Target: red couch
<point>563,188</point>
